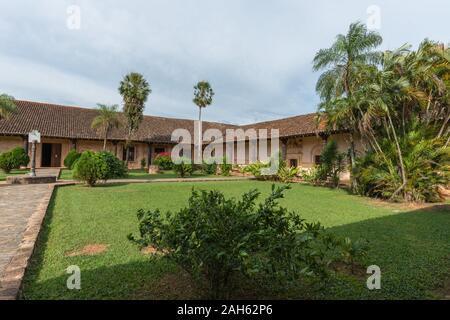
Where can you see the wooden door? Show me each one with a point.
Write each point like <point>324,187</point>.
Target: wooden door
<point>56,155</point>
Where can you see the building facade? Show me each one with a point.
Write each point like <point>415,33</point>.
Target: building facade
<point>64,128</point>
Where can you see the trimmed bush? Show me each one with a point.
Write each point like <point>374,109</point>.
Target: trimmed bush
<point>183,167</point>
<point>163,161</point>
<point>13,159</point>
<point>71,158</point>
<point>115,167</point>
<point>90,168</point>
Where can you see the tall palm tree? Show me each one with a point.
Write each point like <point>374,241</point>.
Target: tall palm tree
<point>7,106</point>
<point>342,59</point>
<point>134,90</point>
<point>342,63</point>
<point>107,119</point>
<point>203,95</point>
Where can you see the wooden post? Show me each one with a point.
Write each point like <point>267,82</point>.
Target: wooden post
<point>284,148</point>
<point>73,144</point>
<point>149,154</point>
<point>25,143</point>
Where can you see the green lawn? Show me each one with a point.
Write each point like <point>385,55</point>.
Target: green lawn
<point>412,247</point>
<point>137,174</point>
<point>3,175</point>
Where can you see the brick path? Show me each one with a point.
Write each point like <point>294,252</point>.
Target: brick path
<point>22,208</point>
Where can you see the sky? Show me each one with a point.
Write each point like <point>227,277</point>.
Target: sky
<point>257,55</point>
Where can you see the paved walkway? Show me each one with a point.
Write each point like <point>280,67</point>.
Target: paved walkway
<point>22,208</point>
<point>48,172</point>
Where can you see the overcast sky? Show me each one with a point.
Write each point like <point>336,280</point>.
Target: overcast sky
<point>256,54</point>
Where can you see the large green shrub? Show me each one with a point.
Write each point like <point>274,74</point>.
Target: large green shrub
<point>426,163</point>
<point>163,161</point>
<point>71,158</point>
<point>115,167</point>
<point>183,167</point>
<point>90,168</point>
<point>216,239</point>
<point>13,159</point>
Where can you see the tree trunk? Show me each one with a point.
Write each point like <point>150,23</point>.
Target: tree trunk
<point>353,183</point>
<point>400,158</point>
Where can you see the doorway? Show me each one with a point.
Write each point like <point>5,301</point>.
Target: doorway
<point>51,155</point>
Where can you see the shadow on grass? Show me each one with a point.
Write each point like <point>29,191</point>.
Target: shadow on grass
<point>412,250</point>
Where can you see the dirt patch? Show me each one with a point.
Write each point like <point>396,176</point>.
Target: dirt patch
<point>88,250</point>
<point>357,271</point>
<point>149,250</point>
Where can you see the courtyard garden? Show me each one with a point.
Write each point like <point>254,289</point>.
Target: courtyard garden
<point>88,227</point>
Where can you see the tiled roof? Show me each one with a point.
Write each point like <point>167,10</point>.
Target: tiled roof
<point>302,125</point>
<point>75,122</point>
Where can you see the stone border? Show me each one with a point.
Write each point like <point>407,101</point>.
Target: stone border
<point>11,280</point>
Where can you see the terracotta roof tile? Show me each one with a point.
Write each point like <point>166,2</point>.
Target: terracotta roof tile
<point>75,122</point>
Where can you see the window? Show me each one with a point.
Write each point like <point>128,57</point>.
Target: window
<point>293,163</point>
<point>130,155</point>
<point>160,150</point>
<point>317,160</point>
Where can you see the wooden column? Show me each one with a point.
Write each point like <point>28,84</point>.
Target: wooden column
<point>324,139</point>
<point>25,143</point>
<point>73,144</point>
<point>284,148</point>
<point>114,142</point>
<point>149,153</point>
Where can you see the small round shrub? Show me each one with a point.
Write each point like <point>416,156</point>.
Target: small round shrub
<point>71,158</point>
<point>183,167</point>
<point>20,156</point>
<point>13,159</point>
<point>163,161</point>
<point>115,167</point>
<point>90,168</point>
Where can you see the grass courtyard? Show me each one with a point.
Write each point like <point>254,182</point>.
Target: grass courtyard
<point>14,172</point>
<point>411,246</point>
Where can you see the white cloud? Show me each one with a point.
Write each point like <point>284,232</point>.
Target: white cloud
<point>257,54</point>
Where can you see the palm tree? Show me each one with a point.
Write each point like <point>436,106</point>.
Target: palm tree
<point>343,58</point>
<point>203,94</point>
<point>106,120</point>
<point>134,90</point>
<point>342,63</point>
<point>7,106</point>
